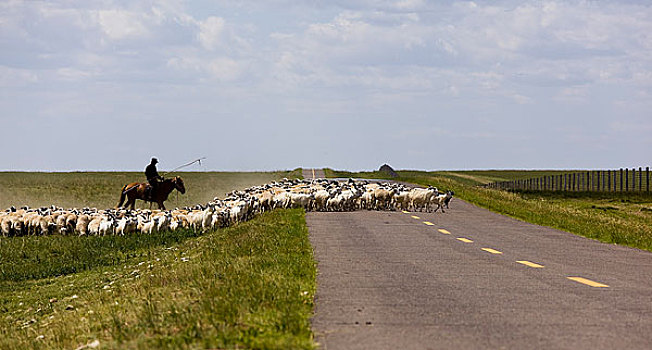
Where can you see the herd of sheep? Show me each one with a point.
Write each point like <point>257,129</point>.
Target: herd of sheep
<point>238,206</point>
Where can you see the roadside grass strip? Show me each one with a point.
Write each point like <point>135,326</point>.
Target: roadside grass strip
<point>249,286</point>
<point>530,264</point>
<point>492,251</point>
<point>588,282</point>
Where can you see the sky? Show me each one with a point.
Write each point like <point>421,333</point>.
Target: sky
<point>345,84</point>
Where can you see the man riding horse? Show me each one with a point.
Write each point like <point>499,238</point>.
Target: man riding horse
<point>157,191</point>
<point>152,177</point>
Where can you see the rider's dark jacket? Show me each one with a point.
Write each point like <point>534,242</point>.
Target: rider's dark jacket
<point>151,173</point>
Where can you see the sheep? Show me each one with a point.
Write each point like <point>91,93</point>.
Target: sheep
<point>282,200</point>
<point>420,198</point>
<point>442,199</point>
<point>126,226</point>
<point>401,200</point>
<point>147,226</point>
<point>81,227</point>
<point>266,200</point>
<point>238,206</point>
<point>320,199</point>
<point>207,218</point>
<point>367,200</point>
<point>303,200</point>
<point>383,198</point>
<point>94,226</point>
<point>107,226</point>
<point>195,219</point>
<point>70,222</point>
<point>162,222</point>
<point>448,199</point>
<point>60,224</point>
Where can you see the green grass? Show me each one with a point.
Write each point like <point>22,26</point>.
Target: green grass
<point>102,189</point>
<point>34,257</point>
<point>621,218</point>
<point>248,286</point>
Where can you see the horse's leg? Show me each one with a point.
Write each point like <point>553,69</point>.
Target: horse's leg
<point>131,202</point>
<point>122,197</point>
<point>161,205</point>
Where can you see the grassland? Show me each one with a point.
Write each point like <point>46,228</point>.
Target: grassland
<point>247,286</point>
<point>621,218</point>
<point>102,189</point>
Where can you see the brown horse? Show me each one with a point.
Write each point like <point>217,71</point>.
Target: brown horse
<point>137,190</point>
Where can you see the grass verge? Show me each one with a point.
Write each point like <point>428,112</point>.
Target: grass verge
<point>248,286</point>
<point>621,218</point>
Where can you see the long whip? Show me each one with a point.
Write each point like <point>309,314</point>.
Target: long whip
<point>198,160</point>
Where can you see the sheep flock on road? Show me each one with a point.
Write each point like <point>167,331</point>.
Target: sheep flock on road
<point>238,206</point>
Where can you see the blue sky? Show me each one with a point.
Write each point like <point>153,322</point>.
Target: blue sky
<point>279,84</point>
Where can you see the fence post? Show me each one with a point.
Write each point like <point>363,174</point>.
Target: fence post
<point>621,179</point>
<point>574,182</point>
<point>640,179</point>
<point>604,180</point>
<point>634,179</point>
<point>626,180</point>
<point>588,181</point>
<point>647,176</point>
<point>598,181</point>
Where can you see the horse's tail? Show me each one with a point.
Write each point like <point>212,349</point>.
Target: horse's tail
<point>123,194</point>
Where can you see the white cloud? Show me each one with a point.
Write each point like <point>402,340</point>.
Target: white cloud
<point>12,77</point>
<point>121,24</point>
<point>210,32</point>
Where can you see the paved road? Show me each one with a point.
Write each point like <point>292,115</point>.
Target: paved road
<point>387,280</point>
<point>310,174</point>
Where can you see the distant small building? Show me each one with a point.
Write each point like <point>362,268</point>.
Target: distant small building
<point>388,170</point>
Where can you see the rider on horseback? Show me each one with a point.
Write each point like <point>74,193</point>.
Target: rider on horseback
<point>152,177</point>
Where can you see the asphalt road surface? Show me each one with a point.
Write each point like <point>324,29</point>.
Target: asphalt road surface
<point>472,279</point>
<point>310,174</point>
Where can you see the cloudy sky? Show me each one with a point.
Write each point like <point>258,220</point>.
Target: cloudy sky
<point>348,84</point>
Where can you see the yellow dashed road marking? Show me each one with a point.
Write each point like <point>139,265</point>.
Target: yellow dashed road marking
<point>492,251</point>
<point>406,212</point>
<point>530,264</point>
<point>444,231</point>
<point>429,223</point>
<point>465,240</point>
<point>415,217</point>
<point>588,282</point>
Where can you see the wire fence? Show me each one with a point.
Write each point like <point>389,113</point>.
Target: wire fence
<point>620,180</point>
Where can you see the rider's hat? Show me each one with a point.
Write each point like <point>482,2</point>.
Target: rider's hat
<point>154,160</point>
